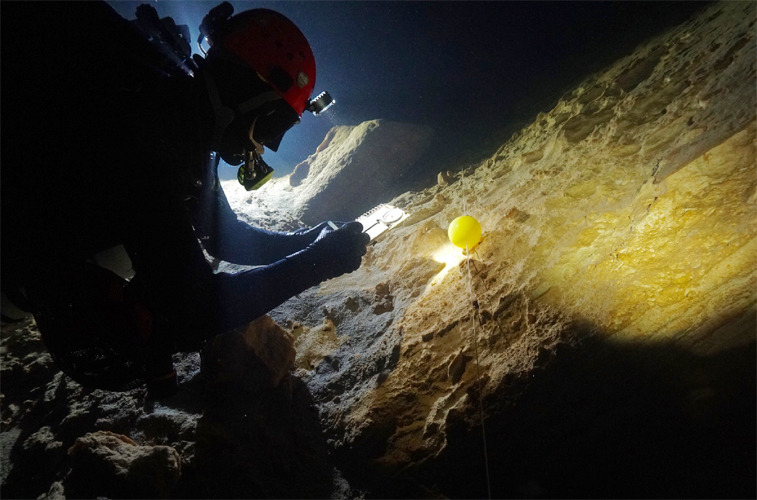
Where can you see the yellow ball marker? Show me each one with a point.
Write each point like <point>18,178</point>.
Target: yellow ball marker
<point>464,232</point>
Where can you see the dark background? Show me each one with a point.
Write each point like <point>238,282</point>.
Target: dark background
<point>475,71</point>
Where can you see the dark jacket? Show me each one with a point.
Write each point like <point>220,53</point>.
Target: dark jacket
<point>105,144</point>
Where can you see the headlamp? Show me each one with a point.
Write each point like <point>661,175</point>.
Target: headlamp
<point>320,104</point>
<point>212,24</point>
<point>270,127</point>
<point>277,117</point>
<point>254,172</point>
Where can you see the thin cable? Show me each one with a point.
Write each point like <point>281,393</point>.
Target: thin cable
<point>478,372</point>
<point>462,185</point>
<point>483,282</point>
<point>474,303</point>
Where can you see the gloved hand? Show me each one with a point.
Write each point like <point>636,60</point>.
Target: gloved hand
<point>267,247</point>
<point>257,291</point>
<point>336,252</point>
<point>309,235</point>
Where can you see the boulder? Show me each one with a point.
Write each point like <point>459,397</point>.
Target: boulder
<point>106,464</point>
<point>259,356</point>
<point>353,169</point>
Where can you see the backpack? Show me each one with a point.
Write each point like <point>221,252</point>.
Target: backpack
<point>91,319</point>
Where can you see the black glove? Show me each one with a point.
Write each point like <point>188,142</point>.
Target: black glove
<point>250,294</point>
<point>309,235</point>
<point>336,251</point>
<point>271,246</point>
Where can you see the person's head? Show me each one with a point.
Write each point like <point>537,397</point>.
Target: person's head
<point>259,70</point>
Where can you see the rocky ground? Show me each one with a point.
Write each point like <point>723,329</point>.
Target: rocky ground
<point>599,342</point>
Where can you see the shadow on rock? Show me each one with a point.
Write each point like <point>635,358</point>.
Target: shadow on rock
<point>606,420</point>
<point>259,436</point>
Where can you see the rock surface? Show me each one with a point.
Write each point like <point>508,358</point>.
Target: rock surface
<point>242,427</point>
<point>599,342</point>
<point>350,172</point>
<point>604,316</point>
<point>113,465</point>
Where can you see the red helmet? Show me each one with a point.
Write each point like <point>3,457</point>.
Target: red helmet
<point>271,45</point>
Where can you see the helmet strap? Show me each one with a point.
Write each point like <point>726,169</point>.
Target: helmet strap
<point>257,101</point>
<point>223,114</point>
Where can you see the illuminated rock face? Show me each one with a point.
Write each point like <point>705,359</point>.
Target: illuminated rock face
<point>625,216</point>
<point>603,330</point>
<point>346,176</point>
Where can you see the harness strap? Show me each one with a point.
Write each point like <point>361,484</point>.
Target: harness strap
<point>257,101</point>
<point>223,114</point>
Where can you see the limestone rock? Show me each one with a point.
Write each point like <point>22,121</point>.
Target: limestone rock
<point>300,172</point>
<point>444,178</point>
<point>351,172</point>
<point>602,332</point>
<point>56,492</point>
<point>109,464</point>
<point>625,215</point>
<point>259,436</point>
<point>261,353</point>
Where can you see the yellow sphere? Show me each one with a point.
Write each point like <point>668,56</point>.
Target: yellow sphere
<point>464,232</point>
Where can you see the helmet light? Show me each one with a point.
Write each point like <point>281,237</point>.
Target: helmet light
<point>321,103</point>
<point>254,172</point>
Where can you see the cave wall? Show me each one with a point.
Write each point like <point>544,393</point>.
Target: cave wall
<point>619,231</point>
<point>599,342</point>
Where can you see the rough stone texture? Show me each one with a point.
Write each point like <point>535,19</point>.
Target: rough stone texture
<point>242,427</point>
<point>105,463</point>
<point>355,167</point>
<point>262,344</point>
<point>615,291</point>
<point>348,174</point>
<point>603,331</point>
<point>258,442</point>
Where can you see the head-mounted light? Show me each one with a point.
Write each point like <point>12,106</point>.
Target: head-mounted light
<point>276,118</point>
<point>270,127</point>
<point>254,172</point>
<point>320,104</point>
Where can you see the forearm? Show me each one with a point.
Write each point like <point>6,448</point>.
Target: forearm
<point>202,304</point>
<point>197,304</point>
<point>238,242</point>
<point>245,296</point>
<point>226,237</point>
